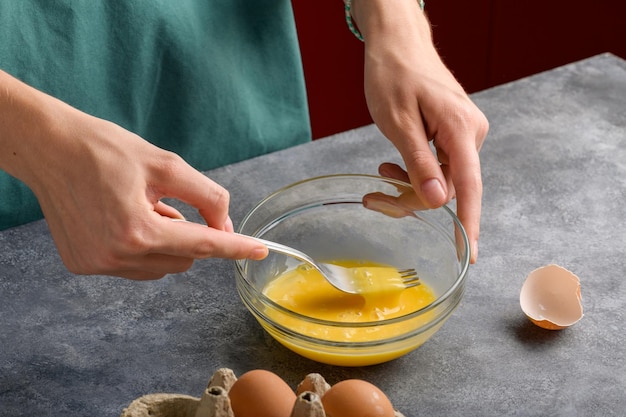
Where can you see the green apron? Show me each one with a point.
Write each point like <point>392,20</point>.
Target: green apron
<point>216,81</point>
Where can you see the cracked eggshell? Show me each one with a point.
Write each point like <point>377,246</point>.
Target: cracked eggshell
<point>550,297</point>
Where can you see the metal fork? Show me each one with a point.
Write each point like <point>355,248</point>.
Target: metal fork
<point>348,280</point>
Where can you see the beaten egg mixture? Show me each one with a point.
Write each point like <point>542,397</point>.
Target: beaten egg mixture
<point>305,291</point>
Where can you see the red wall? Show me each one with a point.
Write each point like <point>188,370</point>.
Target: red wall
<point>484,42</point>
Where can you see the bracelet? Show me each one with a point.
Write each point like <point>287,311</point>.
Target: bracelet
<point>350,23</point>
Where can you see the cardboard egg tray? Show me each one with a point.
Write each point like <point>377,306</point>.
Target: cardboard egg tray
<point>216,403</point>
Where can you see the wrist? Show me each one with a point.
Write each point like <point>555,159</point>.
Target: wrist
<point>32,125</point>
<point>372,19</point>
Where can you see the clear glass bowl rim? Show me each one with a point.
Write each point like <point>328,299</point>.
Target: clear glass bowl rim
<point>458,282</point>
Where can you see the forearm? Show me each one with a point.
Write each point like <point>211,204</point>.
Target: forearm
<point>398,35</point>
<point>25,115</point>
<point>413,98</point>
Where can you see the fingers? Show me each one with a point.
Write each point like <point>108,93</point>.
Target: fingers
<point>164,246</point>
<point>423,170</point>
<point>394,171</point>
<point>177,179</point>
<point>154,245</point>
<point>395,206</point>
<point>458,142</point>
<point>464,172</point>
<point>212,201</point>
<point>173,247</point>
<point>168,211</point>
<point>388,205</point>
<point>228,226</point>
<point>461,171</point>
<point>186,239</point>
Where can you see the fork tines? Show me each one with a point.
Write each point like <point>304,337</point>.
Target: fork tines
<point>409,278</point>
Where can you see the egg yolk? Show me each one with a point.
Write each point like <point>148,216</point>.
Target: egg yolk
<point>382,296</point>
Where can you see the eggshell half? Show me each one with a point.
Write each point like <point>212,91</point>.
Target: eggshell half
<point>550,297</point>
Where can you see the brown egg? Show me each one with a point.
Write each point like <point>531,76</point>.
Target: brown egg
<point>261,393</point>
<point>356,398</point>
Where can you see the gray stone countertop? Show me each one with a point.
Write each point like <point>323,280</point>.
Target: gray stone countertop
<point>554,169</point>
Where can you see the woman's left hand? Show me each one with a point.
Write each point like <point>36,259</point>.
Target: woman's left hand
<point>414,99</point>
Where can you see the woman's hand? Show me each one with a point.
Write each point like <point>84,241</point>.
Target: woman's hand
<point>415,99</point>
<point>100,189</point>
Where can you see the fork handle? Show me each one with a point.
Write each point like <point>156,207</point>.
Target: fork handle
<point>280,248</point>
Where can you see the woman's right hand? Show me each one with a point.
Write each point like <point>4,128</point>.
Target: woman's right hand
<point>100,188</point>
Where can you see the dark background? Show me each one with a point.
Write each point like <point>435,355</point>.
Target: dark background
<point>484,42</point>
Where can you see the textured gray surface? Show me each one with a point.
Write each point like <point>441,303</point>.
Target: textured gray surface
<point>554,169</point>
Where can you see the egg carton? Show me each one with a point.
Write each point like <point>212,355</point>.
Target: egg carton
<point>216,403</point>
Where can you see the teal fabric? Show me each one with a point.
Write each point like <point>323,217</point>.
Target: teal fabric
<point>216,81</point>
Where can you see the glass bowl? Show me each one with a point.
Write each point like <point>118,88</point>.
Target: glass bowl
<point>357,217</point>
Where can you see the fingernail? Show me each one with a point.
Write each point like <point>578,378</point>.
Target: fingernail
<point>384,171</point>
<point>228,225</point>
<point>433,192</point>
<point>373,203</point>
<point>474,252</point>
